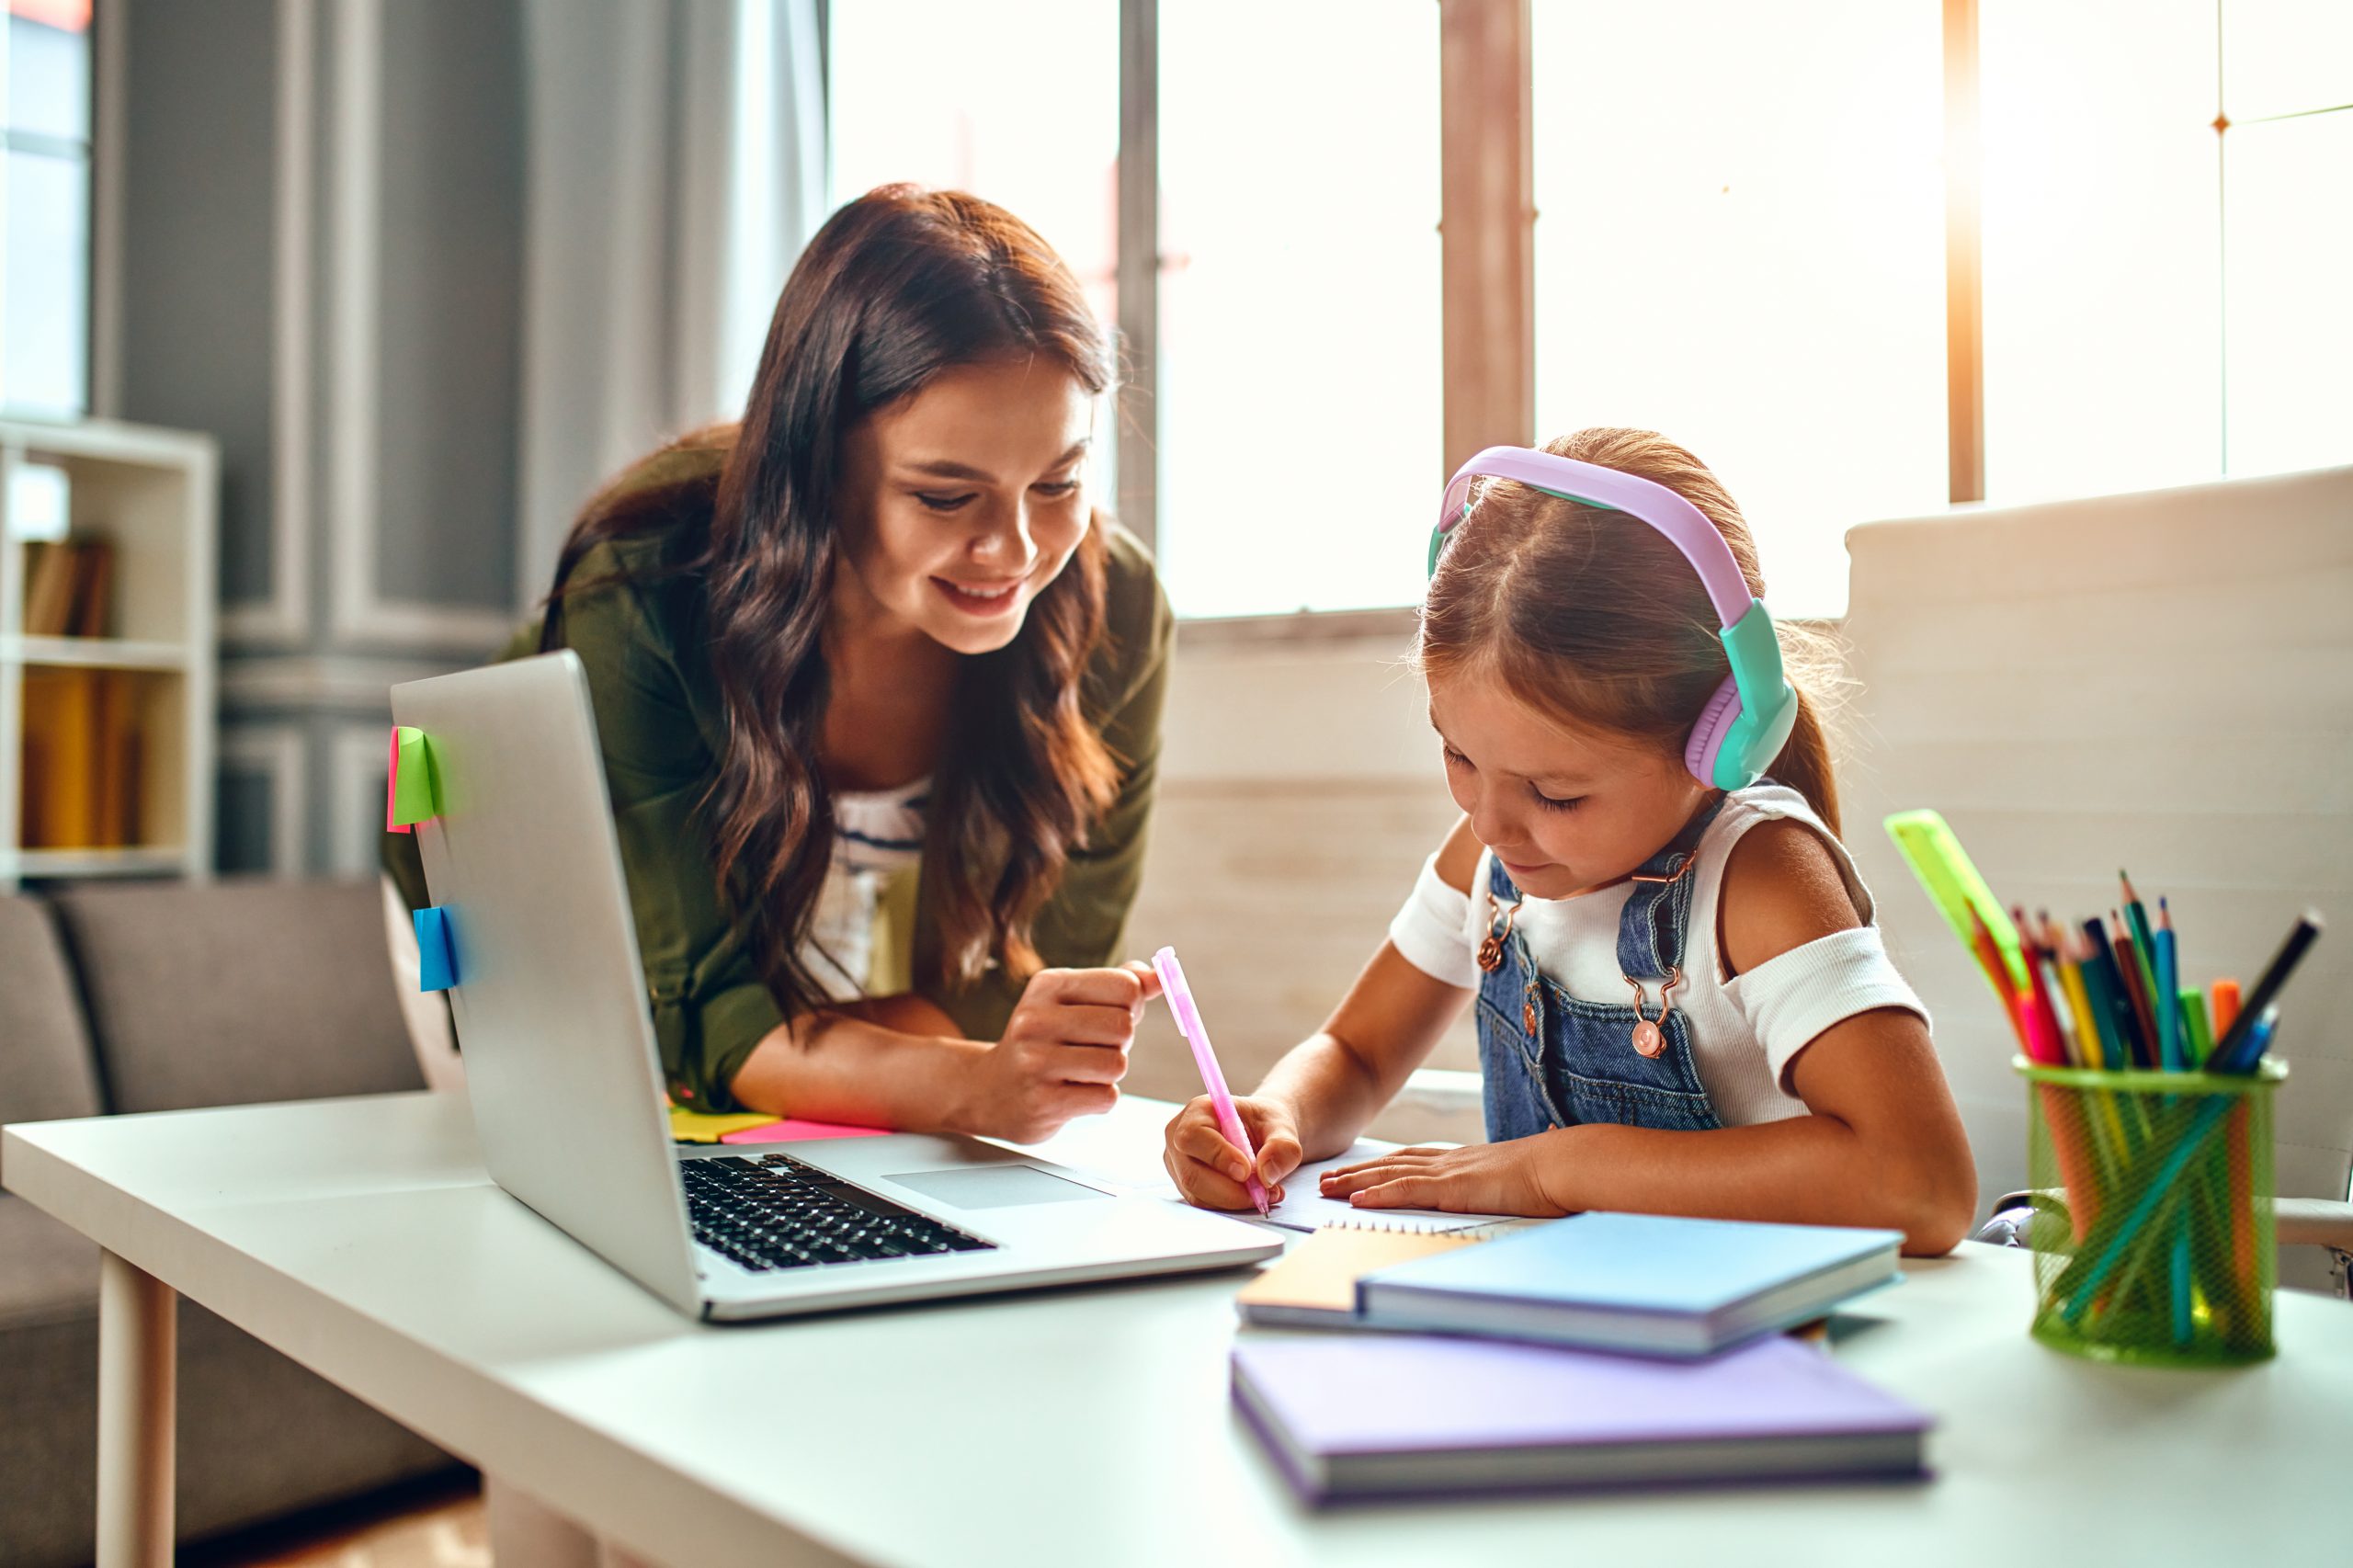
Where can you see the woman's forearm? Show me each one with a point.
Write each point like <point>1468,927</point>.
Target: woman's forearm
<point>888,1061</point>
<point>1814,1170</point>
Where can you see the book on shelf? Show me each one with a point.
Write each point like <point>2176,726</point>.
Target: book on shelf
<point>69,588</point>
<point>82,758</point>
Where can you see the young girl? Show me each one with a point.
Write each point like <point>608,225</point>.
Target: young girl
<point>1683,1005</point>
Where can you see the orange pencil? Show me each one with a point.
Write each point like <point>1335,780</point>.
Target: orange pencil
<point>1997,975</point>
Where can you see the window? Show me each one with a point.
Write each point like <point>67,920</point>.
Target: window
<point>2102,316</point>
<point>2163,299</point>
<point>1740,240</point>
<point>1026,116</point>
<point>45,255</point>
<point>2287,235</point>
<point>1299,375</point>
<point>1740,244</point>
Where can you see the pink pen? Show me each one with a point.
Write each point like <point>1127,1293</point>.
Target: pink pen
<point>1196,1035</point>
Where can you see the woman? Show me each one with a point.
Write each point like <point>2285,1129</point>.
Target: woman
<point>871,652</point>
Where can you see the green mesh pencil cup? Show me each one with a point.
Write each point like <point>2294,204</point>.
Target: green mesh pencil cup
<point>2152,1231</point>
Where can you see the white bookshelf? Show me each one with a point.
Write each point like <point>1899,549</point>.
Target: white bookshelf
<point>151,495</point>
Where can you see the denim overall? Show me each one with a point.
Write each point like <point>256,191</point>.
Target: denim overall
<point>1550,1060</point>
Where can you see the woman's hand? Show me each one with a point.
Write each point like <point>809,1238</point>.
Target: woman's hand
<point>1063,1052</point>
<point>1209,1171</point>
<point>1478,1178</point>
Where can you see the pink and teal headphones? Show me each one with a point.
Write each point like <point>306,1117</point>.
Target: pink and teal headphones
<point>1748,721</point>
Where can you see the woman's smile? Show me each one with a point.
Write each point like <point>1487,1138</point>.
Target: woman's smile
<point>981,598</point>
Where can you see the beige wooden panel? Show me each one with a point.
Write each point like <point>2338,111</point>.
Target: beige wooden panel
<point>2161,681</point>
<point>1274,892</point>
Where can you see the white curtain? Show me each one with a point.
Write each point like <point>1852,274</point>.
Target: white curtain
<point>677,167</point>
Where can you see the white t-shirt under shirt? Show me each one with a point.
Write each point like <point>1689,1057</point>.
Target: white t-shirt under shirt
<point>1745,1030</point>
<point>878,834</point>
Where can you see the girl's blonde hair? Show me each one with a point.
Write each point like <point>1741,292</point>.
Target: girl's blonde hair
<point>1596,620</point>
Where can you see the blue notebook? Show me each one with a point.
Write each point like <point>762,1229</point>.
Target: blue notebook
<point>1641,1283</point>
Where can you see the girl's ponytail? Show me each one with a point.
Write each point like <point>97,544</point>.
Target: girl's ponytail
<point>1804,763</point>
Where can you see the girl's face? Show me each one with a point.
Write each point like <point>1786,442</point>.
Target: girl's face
<point>962,503</point>
<point>1564,810</point>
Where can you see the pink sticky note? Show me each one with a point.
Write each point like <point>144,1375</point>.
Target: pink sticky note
<point>392,785</point>
<point>792,1128</point>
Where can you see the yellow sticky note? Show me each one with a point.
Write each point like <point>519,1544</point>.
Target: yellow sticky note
<point>701,1127</point>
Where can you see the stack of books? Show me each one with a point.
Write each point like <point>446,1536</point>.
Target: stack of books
<point>69,588</point>
<point>1602,1350</point>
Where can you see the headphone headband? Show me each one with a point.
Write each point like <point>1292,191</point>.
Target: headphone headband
<point>1748,721</point>
<point>1685,526</point>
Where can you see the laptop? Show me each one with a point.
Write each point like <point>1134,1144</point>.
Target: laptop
<point>567,1083</point>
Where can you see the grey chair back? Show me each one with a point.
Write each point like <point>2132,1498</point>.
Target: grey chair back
<point>46,1071</point>
<point>238,992</point>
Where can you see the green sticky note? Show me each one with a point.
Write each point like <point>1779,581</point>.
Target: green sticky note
<point>1952,881</point>
<point>417,794</point>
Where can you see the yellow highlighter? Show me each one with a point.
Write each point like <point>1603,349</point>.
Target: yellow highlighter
<point>1951,880</point>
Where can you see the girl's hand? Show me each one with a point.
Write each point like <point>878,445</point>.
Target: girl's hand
<point>1479,1179</point>
<point>1065,1052</point>
<point>1209,1171</point>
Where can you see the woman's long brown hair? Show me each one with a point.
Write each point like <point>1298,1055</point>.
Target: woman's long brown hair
<point>1600,621</point>
<point>897,286</point>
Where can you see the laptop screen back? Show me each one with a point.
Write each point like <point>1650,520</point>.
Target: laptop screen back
<point>549,999</point>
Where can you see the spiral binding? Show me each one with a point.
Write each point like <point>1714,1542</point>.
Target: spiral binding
<point>1485,1232</point>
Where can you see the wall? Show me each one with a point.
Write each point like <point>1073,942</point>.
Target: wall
<point>323,211</point>
<point>1300,793</point>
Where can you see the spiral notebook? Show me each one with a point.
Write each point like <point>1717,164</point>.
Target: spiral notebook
<point>1314,1284</point>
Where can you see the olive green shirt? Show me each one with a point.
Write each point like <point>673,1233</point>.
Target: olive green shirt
<point>663,730</point>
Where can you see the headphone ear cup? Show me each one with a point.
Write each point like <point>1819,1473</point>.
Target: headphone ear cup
<point>1715,721</point>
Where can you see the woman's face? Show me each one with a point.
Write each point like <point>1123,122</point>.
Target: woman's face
<point>1564,810</point>
<point>962,503</point>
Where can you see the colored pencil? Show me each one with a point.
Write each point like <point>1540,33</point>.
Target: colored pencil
<point>2071,982</point>
<point>2106,979</point>
<point>2167,996</point>
<point>2039,989</point>
<point>2136,915</point>
<point>1997,975</point>
<point>2260,1002</point>
<point>2131,968</point>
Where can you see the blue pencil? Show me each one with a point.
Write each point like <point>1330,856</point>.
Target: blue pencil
<point>2167,1001</point>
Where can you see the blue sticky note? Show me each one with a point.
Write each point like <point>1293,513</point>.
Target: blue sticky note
<point>437,951</point>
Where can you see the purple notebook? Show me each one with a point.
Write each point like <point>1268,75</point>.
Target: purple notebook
<point>1351,1416</point>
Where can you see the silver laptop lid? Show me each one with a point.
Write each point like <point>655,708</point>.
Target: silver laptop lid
<point>549,999</point>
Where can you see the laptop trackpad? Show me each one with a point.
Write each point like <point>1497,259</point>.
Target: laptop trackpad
<point>994,1186</point>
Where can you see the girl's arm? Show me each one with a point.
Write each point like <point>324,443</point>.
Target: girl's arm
<point>1317,1100</point>
<point>1881,1144</point>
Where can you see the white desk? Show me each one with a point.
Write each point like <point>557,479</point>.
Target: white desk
<point>1089,1425</point>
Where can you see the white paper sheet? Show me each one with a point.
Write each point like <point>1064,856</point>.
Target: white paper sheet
<point>1305,1207</point>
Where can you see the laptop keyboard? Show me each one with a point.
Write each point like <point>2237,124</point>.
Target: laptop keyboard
<point>780,1212</point>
